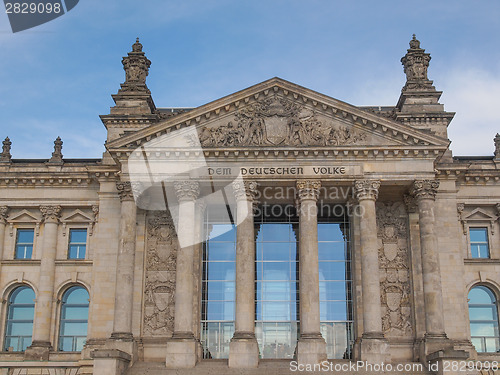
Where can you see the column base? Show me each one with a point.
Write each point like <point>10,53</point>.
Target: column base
<point>434,342</point>
<point>110,361</point>
<point>38,351</point>
<point>244,350</point>
<point>182,351</point>
<point>437,360</point>
<point>122,342</point>
<point>311,349</point>
<point>374,348</point>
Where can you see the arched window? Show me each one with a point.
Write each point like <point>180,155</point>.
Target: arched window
<point>74,319</point>
<point>20,314</point>
<point>483,316</point>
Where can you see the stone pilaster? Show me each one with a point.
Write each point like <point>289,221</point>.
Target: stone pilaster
<point>311,347</point>
<point>4,213</point>
<point>374,347</point>
<point>425,192</point>
<point>41,345</point>
<point>183,348</point>
<point>122,323</point>
<point>244,350</point>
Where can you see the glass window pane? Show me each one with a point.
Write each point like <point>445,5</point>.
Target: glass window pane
<point>274,232</point>
<point>222,232</point>
<point>333,290</point>
<point>23,295</point>
<point>482,313</point>
<point>481,295</point>
<point>336,310</point>
<point>277,251</point>
<point>75,313</point>
<point>276,270</point>
<point>221,251</point>
<point>219,291</point>
<point>478,234</point>
<point>331,251</point>
<point>78,235</point>
<point>330,232</point>
<point>76,295</point>
<point>24,251</point>
<point>332,270</point>
<point>20,329</point>
<point>73,329</point>
<point>221,271</point>
<point>25,236</point>
<point>482,329</point>
<point>21,312</point>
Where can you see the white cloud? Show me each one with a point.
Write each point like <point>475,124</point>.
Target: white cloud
<point>474,94</point>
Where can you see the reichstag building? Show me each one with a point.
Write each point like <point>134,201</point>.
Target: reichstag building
<point>270,229</point>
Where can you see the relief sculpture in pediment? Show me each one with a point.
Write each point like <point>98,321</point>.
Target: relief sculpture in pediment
<point>278,121</point>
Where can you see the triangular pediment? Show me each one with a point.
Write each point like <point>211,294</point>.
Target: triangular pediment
<point>279,114</point>
<point>23,216</point>
<point>479,215</point>
<point>77,216</point>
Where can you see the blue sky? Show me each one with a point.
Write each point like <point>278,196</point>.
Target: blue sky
<point>56,79</point>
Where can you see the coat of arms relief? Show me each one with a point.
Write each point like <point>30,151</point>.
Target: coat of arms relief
<point>394,269</point>
<point>159,290</point>
<point>278,121</point>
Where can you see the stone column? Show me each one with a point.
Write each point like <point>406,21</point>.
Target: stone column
<point>41,345</point>
<point>311,347</point>
<point>122,323</point>
<point>244,350</point>
<point>425,192</point>
<point>183,348</point>
<point>4,212</point>
<point>373,347</point>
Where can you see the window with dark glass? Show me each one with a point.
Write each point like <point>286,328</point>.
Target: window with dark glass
<point>218,285</point>
<point>483,317</point>
<point>479,247</point>
<point>77,243</point>
<point>24,243</point>
<point>277,310</point>
<point>20,313</point>
<point>74,319</point>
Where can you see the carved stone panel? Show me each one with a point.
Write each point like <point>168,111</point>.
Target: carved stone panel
<point>161,254</point>
<point>394,269</point>
<point>277,121</point>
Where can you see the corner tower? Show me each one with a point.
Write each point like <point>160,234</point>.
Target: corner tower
<point>418,105</point>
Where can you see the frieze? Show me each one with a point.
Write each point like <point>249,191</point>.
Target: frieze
<point>278,121</point>
<point>159,289</point>
<point>394,269</point>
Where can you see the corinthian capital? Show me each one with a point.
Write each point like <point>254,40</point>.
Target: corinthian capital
<point>366,189</point>
<point>4,212</point>
<point>125,190</point>
<point>186,190</point>
<point>246,190</point>
<point>424,189</point>
<point>308,189</point>
<point>50,213</point>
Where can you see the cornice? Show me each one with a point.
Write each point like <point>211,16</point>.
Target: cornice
<point>362,152</point>
<point>317,101</point>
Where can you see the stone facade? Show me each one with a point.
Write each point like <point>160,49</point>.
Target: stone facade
<point>412,205</point>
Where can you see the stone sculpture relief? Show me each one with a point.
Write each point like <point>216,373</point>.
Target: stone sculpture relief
<point>278,121</point>
<point>394,269</point>
<point>159,290</point>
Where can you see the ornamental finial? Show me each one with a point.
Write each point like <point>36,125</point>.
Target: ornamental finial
<point>57,154</point>
<point>497,146</point>
<point>415,64</point>
<point>6,156</point>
